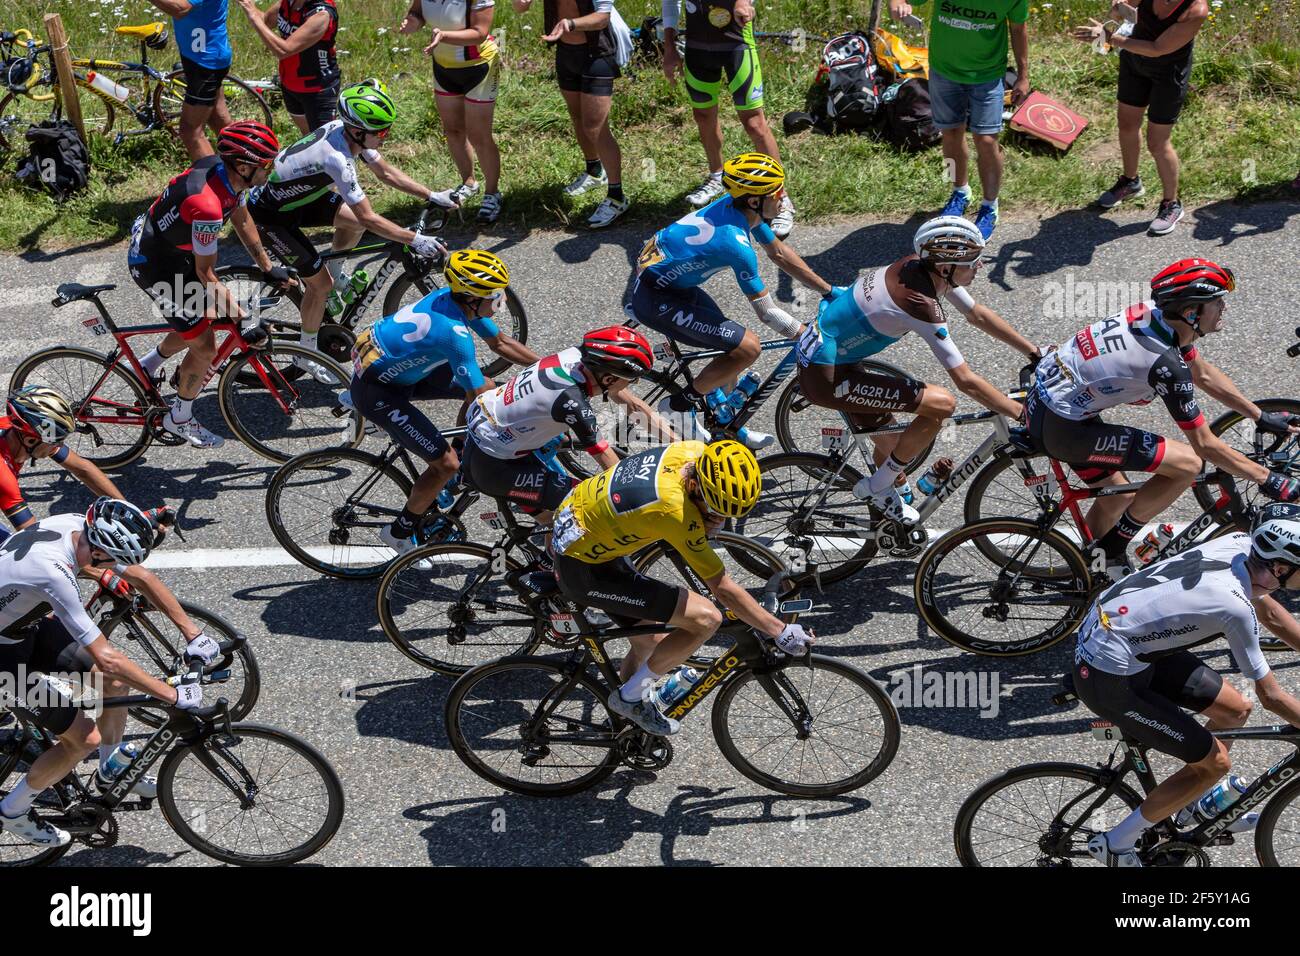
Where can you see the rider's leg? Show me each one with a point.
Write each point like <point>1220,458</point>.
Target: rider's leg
<point>937,405</point>
<point>425,492</point>
<point>75,743</point>
<point>694,622</point>
<point>724,369</point>
<point>1175,471</point>
<point>112,721</point>
<point>202,349</point>
<point>1105,512</point>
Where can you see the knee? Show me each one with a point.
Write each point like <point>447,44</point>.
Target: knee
<point>1242,714</point>
<point>453,129</point>
<point>986,144</point>
<point>748,350</point>
<point>1181,463</point>
<point>83,735</point>
<point>939,403</point>
<point>446,466</point>
<point>705,618</point>
<point>1218,763</point>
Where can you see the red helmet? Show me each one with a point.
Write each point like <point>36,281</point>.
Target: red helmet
<point>248,142</point>
<point>617,350</point>
<point>1191,280</point>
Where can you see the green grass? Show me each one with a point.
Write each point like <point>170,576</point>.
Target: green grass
<point>1235,138</point>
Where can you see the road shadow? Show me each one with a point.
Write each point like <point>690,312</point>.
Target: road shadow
<point>1228,220</point>
<point>319,608</point>
<point>408,710</point>
<point>1067,239</point>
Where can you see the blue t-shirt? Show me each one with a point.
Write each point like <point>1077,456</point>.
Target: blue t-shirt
<point>409,344</point>
<point>201,34</point>
<point>702,244</point>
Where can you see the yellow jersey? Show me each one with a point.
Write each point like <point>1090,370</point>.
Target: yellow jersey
<point>638,501</point>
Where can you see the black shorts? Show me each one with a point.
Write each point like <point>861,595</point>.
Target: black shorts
<point>1158,85</point>
<point>1152,706</point>
<point>703,71</point>
<point>526,480</point>
<point>1092,448</point>
<point>684,315</point>
<point>392,408</point>
<point>47,647</point>
<point>318,108</point>
<point>171,281</point>
<point>869,398</point>
<point>202,84</point>
<point>282,231</point>
<point>618,589</point>
<point>579,71</point>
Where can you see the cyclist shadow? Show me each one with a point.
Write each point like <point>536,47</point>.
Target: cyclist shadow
<point>868,247</point>
<point>841,613</point>
<point>1228,220</point>
<point>1069,238</point>
<point>124,854</point>
<point>603,821</point>
<point>319,608</point>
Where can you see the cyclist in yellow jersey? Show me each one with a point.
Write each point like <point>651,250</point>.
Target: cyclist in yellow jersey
<point>676,493</point>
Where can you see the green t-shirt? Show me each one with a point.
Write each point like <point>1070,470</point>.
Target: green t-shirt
<point>968,38</point>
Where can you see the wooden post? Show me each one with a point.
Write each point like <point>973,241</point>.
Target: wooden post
<point>58,39</point>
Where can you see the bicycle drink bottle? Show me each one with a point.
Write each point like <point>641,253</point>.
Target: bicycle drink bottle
<point>720,404</point>
<point>1154,543</point>
<point>108,87</point>
<point>1225,794</point>
<point>935,476</point>
<point>677,686</point>
<point>119,760</point>
<point>346,289</point>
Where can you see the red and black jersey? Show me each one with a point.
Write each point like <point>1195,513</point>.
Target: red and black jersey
<point>192,210</point>
<point>315,68</point>
<point>11,498</point>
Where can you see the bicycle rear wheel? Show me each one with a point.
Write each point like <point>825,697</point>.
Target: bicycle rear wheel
<point>527,725</point>
<point>293,416</point>
<point>1032,595</point>
<point>18,111</point>
<point>294,797</point>
<point>1041,814</point>
<point>512,320</point>
<point>108,402</point>
<point>244,102</point>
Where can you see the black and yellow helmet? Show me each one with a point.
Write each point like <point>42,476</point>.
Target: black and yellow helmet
<point>752,174</point>
<point>476,272</point>
<point>729,478</point>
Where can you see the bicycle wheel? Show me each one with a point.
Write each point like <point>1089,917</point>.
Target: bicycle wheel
<point>152,642</point>
<point>827,529</point>
<point>1041,814</point>
<point>244,102</point>
<point>108,400</point>
<point>1030,597</point>
<point>291,417</point>
<point>294,797</point>
<point>19,111</point>
<point>1277,835</point>
<point>999,490</point>
<point>1239,432</point>
<point>326,508</point>
<point>512,320</point>
<point>15,852</point>
<point>813,728</point>
<point>526,724</point>
<point>445,607</point>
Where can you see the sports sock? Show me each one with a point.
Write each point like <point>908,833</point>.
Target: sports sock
<point>686,401</point>
<point>635,687</point>
<point>1125,836</point>
<point>19,800</point>
<point>964,190</point>
<point>310,340</point>
<point>594,168</point>
<point>1115,541</point>
<point>991,203</point>
<point>151,362</point>
<point>182,410</point>
<point>616,192</point>
<point>886,474</point>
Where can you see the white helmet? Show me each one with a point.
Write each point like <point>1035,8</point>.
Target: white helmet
<point>1276,536</point>
<point>948,239</point>
<point>119,529</point>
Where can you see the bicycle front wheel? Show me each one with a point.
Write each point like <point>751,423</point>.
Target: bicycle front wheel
<point>266,799</point>
<point>1239,432</point>
<point>1042,814</point>
<point>529,725</point>
<point>813,728</point>
<point>107,401</point>
<point>1032,595</point>
<point>447,608</point>
<point>281,416</point>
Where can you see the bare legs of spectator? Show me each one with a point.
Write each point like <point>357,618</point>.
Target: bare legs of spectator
<point>468,128</point>
<point>988,158</point>
<point>590,116</point>
<point>756,128</point>
<point>1160,143</point>
<point>1130,137</point>
<point>194,118</point>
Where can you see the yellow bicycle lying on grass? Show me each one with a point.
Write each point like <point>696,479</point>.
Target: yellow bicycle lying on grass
<point>149,96</point>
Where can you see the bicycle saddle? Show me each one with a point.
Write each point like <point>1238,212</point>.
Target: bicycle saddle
<point>143,31</point>
<point>75,291</point>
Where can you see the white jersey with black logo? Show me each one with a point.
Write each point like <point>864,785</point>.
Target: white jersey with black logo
<point>38,565</point>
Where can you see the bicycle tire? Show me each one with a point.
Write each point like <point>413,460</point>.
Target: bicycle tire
<point>1265,849</point>
<point>518,328</point>
<point>964,824</point>
<point>177,820</point>
<point>219,629</point>
<point>41,109</point>
<point>284,480</point>
<point>1069,577</point>
<point>315,409</point>
<point>82,441</point>
<point>992,495</point>
<point>456,710</point>
<point>1221,426</point>
<point>790,478</point>
<point>167,107</point>
<point>390,591</point>
<point>876,765</point>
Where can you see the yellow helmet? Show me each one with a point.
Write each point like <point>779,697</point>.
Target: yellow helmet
<point>476,272</point>
<point>41,412</point>
<point>752,174</point>
<point>729,478</point>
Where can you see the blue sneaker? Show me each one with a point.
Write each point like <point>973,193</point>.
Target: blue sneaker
<point>957,204</point>
<point>986,220</point>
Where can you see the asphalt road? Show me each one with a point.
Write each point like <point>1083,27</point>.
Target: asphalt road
<point>330,675</point>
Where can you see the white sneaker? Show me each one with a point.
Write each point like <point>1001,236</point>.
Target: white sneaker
<point>889,501</point>
<point>454,198</point>
<point>755,441</point>
<point>319,372</point>
<point>709,190</point>
<point>784,220</point>
<point>1099,849</point>
<point>146,786</point>
<point>32,829</point>
<point>686,424</point>
<point>192,432</point>
<point>607,212</point>
<point>583,182</point>
<point>490,209</point>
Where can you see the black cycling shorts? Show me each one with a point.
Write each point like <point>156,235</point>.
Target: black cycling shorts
<point>869,398</point>
<point>1092,448</point>
<point>172,283</point>
<point>1159,86</point>
<point>282,231</point>
<point>1149,706</point>
<point>317,108</point>
<point>580,71</point>
<point>684,315</point>
<point>525,480</point>
<point>202,84</point>
<point>392,408</point>
<point>618,589</point>
<point>47,647</point>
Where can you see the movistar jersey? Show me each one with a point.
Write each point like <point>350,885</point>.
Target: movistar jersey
<point>702,244</point>
<point>402,348</point>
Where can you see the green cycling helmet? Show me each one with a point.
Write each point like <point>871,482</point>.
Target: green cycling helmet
<point>367,107</point>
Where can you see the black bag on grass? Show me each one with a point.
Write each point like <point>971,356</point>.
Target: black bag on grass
<point>909,123</point>
<point>57,161</point>
<point>852,83</point>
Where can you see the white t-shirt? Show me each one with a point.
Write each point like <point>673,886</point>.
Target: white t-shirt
<point>38,565</point>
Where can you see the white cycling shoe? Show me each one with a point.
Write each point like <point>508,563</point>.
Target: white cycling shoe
<point>32,829</point>
<point>889,501</point>
<point>193,433</point>
<point>319,372</point>
<point>756,441</point>
<point>146,786</point>
<point>1099,849</point>
<point>403,546</point>
<point>685,424</point>
<point>643,713</point>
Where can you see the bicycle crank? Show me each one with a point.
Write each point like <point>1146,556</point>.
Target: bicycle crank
<point>642,751</point>
<point>1178,853</point>
<point>153,421</point>
<point>92,824</point>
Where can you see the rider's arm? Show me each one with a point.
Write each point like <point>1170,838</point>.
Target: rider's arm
<point>480,25</point>
<point>1249,658</point>
<point>88,473</point>
<point>113,663</point>
<point>511,349</point>
<point>1211,380</point>
<point>1212,448</point>
<point>173,8</point>
<point>990,323</point>
<point>221,302</point>
<point>1276,700</point>
<point>970,383</point>
<point>1172,381</point>
<point>1277,620</point>
<point>742,604</point>
<point>790,262</point>
<point>247,232</point>
<point>297,41</point>
<point>161,597</point>
<point>377,224</point>
<point>1177,36</point>
<point>390,175</point>
<point>655,426</point>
